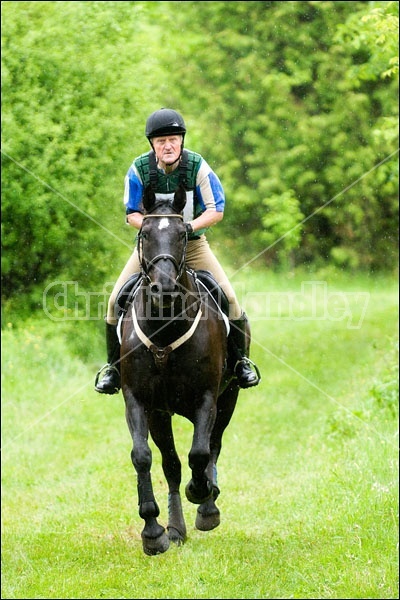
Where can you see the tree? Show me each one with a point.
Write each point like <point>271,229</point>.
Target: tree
<point>293,103</point>
<point>270,88</point>
<point>72,97</point>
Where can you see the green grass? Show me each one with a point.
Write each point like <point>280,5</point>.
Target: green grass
<point>308,470</point>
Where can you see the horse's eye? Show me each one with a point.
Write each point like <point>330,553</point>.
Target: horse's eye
<point>144,235</point>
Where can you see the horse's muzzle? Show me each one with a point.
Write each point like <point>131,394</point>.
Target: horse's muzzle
<point>163,297</point>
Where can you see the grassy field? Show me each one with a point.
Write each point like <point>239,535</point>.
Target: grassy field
<point>308,470</point>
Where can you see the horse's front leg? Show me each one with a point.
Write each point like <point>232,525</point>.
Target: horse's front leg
<point>154,538</point>
<point>162,434</point>
<point>200,488</point>
<point>208,514</point>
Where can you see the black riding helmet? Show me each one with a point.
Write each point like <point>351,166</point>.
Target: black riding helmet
<point>165,122</point>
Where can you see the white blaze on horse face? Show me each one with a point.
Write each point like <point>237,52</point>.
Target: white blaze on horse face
<point>164,224</point>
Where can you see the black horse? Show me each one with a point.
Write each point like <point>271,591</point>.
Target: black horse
<point>174,360</point>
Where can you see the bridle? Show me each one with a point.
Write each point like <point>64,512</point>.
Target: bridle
<point>146,264</point>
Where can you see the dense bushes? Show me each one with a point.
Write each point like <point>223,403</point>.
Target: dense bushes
<point>293,103</point>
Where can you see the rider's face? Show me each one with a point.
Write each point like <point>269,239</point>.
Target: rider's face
<point>167,149</point>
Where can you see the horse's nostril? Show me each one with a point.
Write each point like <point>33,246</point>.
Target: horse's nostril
<point>155,288</point>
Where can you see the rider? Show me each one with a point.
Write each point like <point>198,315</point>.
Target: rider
<point>162,166</point>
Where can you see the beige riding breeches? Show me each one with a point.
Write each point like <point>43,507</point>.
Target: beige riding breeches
<point>198,256</point>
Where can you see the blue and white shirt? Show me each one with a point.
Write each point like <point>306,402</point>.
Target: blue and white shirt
<point>207,190</point>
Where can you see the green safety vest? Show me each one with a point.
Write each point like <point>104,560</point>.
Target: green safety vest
<point>168,183</point>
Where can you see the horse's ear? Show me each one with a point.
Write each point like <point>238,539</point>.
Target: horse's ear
<point>149,198</point>
<point>179,199</point>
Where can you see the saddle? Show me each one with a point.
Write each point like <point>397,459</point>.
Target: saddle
<point>126,293</point>
<point>213,287</point>
<point>206,279</point>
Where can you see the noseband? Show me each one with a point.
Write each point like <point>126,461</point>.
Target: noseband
<point>146,264</point>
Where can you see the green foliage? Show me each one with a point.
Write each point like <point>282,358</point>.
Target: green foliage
<point>72,106</point>
<point>281,228</point>
<point>385,391</point>
<point>374,36</point>
<point>284,118</point>
<point>293,103</point>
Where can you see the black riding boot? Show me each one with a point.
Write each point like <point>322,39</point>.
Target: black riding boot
<point>246,377</point>
<point>110,382</point>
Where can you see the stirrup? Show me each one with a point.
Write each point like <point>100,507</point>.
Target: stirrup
<point>99,372</point>
<point>107,367</point>
<point>246,361</point>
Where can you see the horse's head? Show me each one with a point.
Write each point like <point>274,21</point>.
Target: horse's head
<point>162,245</point>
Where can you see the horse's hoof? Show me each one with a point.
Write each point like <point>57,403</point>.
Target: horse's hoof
<point>208,515</point>
<point>207,522</point>
<point>153,546</point>
<point>193,497</point>
<point>175,536</point>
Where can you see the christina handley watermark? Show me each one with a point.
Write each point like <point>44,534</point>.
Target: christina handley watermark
<point>65,301</point>
<point>314,302</point>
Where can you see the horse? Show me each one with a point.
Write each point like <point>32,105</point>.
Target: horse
<point>174,360</point>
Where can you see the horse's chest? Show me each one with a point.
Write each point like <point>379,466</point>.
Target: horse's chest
<point>164,390</point>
